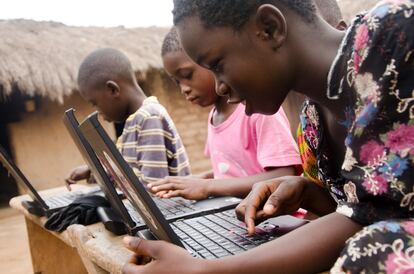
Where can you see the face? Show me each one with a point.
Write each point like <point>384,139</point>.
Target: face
<point>196,83</point>
<point>246,68</point>
<point>106,103</point>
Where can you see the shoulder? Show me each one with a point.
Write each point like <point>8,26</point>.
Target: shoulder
<point>151,107</point>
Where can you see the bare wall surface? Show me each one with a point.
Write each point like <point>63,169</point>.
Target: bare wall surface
<point>41,145</point>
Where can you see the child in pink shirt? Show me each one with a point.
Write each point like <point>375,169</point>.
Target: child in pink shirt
<point>244,145</point>
<point>243,149</point>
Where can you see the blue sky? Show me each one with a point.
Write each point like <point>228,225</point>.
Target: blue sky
<point>103,13</point>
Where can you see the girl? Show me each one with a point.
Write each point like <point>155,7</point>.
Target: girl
<point>264,148</point>
<point>361,131</point>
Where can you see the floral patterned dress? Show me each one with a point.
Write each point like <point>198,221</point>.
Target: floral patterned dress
<point>374,74</point>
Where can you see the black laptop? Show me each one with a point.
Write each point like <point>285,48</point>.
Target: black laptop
<point>117,219</point>
<point>212,235</point>
<point>172,209</point>
<point>40,206</point>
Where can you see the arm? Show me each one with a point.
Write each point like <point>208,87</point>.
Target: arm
<point>204,175</point>
<point>198,189</point>
<point>310,249</point>
<point>240,187</point>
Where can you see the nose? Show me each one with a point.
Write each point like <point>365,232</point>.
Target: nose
<point>222,89</point>
<point>185,89</point>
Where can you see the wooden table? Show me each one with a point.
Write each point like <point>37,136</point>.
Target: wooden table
<point>80,249</point>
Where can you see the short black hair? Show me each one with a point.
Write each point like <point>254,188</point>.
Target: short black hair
<point>235,13</point>
<point>103,65</point>
<point>171,42</point>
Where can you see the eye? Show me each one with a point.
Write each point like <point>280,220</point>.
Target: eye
<point>186,74</point>
<point>216,66</point>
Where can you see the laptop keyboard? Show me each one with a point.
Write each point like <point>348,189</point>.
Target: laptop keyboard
<point>66,198</point>
<point>171,209</point>
<point>175,206</point>
<point>217,235</point>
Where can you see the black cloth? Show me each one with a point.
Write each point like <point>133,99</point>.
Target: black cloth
<point>81,211</point>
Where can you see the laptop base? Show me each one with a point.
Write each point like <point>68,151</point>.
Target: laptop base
<point>111,220</point>
<point>114,223</point>
<point>33,208</point>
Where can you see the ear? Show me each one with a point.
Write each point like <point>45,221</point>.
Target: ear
<point>271,25</point>
<point>113,87</point>
<point>341,25</point>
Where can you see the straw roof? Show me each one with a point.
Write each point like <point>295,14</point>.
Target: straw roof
<point>350,8</point>
<point>42,58</point>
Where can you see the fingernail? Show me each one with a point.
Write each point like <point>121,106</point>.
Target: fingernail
<point>149,185</point>
<point>131,241</point>
<point>269,208</point>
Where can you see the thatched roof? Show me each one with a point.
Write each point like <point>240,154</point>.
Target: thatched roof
<point>42,58</point>
<point>350,8</point>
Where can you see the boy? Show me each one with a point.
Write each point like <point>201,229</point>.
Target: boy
<point>265,148</point>
<point>362,133</point>
<point>149,142</point>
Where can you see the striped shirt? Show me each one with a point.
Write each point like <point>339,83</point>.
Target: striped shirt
<point>151,145</point>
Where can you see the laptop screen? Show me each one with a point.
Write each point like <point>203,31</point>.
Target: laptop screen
<point>20,178</point>
<point>98,170</point>
<point>126,180</point>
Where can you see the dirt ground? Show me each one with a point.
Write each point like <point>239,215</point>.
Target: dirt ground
<point>14,248</point>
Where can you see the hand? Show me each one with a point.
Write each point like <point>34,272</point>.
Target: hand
<point>187,187</point>
<point>79,173</point>
<point>274,197</point>
<point>158,257</point>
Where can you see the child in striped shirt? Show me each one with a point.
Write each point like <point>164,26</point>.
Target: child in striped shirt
<point>150,142</point>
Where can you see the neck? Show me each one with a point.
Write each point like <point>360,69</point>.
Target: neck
<point>135,99</point>
<point>316,62</point>
<point>222,107</point>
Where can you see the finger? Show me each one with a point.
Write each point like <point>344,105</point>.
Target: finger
<point>158,183</point>
<point>161,193</point>
<point>140,260</point>
<point>274,205</point>
<point>68,187</point>
<point>164,187</point>
<point>250,218</point>
<point>241,211</point>
<point>168,187</point>
<point>174,193</point>
<point>254,202</point>
<point>130,268</point>
<point>143,247</point>
<point>70,181</point>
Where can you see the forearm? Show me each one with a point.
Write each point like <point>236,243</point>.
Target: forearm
<point>317,199</point>
<point>240,187</point>
<point>205,175</point>
<point>310,249</point>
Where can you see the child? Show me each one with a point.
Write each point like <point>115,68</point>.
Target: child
<point>149,142</point>
<point>361,131</point>
<point>264,148</point>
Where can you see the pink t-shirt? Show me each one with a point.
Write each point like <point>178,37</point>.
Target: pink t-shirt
<point>244,146</point>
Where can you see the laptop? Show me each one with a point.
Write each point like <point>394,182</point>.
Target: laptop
<point>172,209</point>
<point>212,235</point>
<point>41,206</point>
<point>117,219</point>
